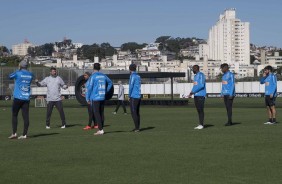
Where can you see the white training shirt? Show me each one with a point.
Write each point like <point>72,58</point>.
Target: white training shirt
<point>54,85</point>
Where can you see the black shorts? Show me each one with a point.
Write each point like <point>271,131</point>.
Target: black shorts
<point>269,101</point>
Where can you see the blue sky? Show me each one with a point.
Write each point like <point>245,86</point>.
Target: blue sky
<point>142,21</point>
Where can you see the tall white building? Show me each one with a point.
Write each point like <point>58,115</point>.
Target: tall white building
<point>229,39</point>
<point>21,49</point>
<point>203,50</point>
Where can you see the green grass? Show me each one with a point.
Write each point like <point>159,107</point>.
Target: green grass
<point>168,150</point>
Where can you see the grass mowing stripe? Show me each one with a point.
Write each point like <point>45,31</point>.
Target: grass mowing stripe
<point>169,150</point>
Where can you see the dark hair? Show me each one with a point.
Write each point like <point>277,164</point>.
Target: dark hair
<point>97,66</point>
<point>87,73</point>
<point>52,68</point>
<point>132,67</point>
<point>268,68</point>
<point>224,65</point>
<point>197,67</point>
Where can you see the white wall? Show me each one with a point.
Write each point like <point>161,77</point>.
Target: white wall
<point>179,88</point>
<point>43,91</point>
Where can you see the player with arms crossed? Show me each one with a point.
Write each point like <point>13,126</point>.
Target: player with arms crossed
<point>270,81</point>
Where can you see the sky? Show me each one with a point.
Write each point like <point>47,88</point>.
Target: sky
<point>141,21</point>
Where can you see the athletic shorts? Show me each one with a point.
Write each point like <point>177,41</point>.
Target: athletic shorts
<point>269,101</point>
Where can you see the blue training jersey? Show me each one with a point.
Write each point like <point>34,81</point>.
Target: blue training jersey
<point>23,80</point>
<point>134,85</point>
<point>99,84</point>
<point>270,82</point>
<point>228,84</point>
<point>199,87</point>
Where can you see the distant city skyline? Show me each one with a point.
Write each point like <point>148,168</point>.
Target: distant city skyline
<point>117,22</point>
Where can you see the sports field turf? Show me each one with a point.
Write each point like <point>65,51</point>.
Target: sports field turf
<point>167,150</point>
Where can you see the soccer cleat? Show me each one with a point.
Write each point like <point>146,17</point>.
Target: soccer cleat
<point>199,127</point>
<point>48,127</point>
<point>137,130</point>
<point>64,126</point>
<point>95,126</point>
<point>114,112</point>
<point>22,137</point>
<point>99,132</point>
<point>268,123</point>
<point>13,136</point>
<point>87,128</point>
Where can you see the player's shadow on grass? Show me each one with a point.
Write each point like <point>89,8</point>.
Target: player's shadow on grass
<point>147,128</point>
<point>41,135</point>
<point>72,125</point>
<point>118,131</point>
<point>236,123</point>
<point>208,125</point>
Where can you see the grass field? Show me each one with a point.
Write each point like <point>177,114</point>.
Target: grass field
<point>167,150</point>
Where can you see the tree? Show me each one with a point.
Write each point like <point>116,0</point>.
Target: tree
<point>10,60</point>
<point>3,50</point>
<point>31,51</point>
<point>252,59</point>
<point>168,43</point>
<point>162,39</point>
<point>66,43</point>
<point>279,70</point>
<point>94,50</point>
<point>173,45</point>
<point>132,46</point>
<point>108,49</point>
<point>42,50</point>
<point>48,49</point>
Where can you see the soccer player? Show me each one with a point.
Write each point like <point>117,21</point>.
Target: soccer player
<point>199,92</point>
<point>54,84</point>
<point>97,88</point>
<point>21,100</point>
<point>91,117</point>
<point>228,90</point>
<point>120,98</point>
<point>135,96</point>
<point>270,81</point>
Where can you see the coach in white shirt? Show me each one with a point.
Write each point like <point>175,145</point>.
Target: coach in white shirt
<point>54,84</point>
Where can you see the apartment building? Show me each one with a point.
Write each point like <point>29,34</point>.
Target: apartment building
<point>21,49</point>
<point>229,39</point>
